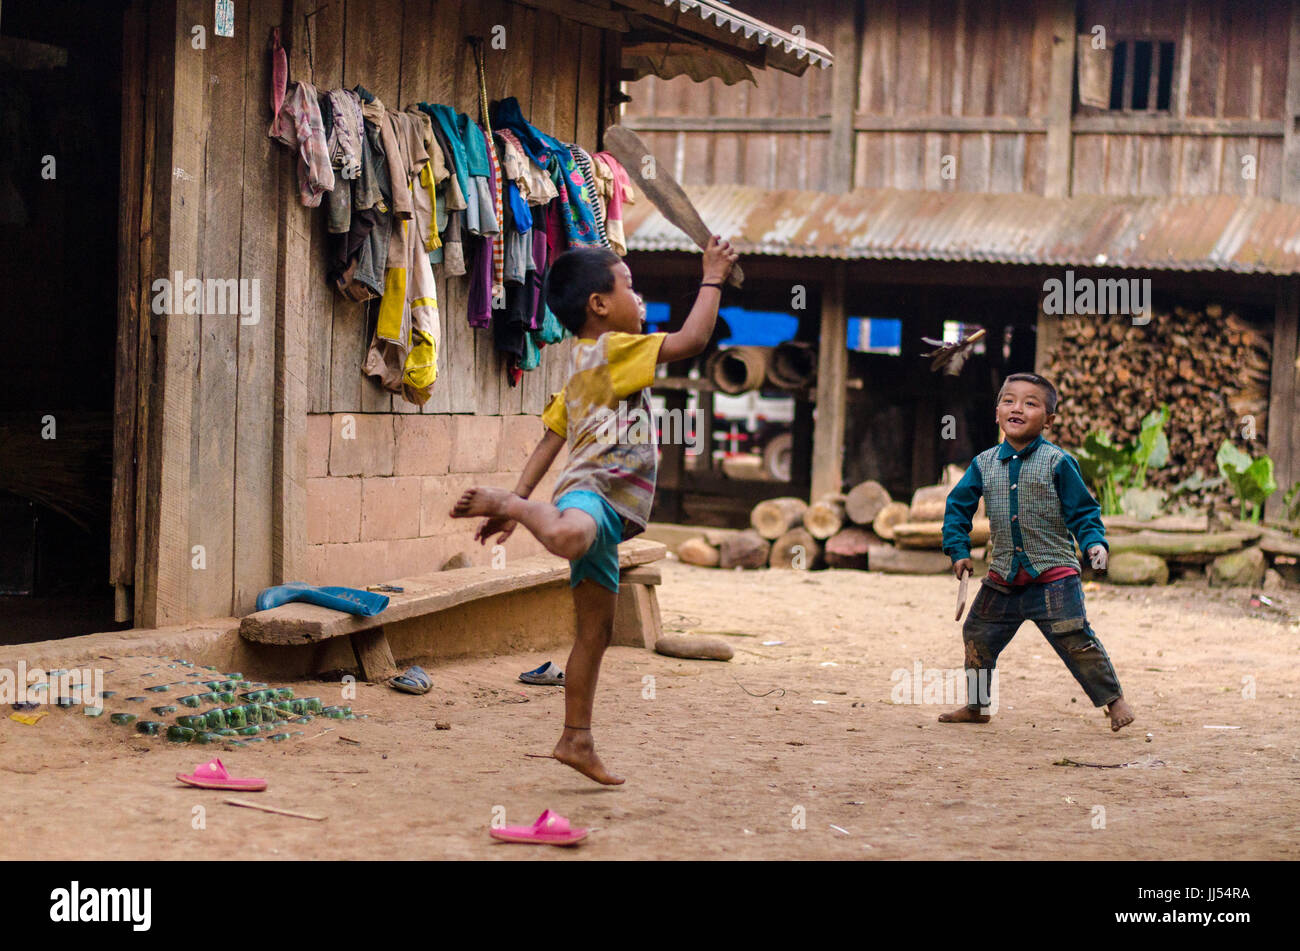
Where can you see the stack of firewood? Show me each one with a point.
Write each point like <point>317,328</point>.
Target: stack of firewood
<point>863,529</point>
<point>1210,366</point>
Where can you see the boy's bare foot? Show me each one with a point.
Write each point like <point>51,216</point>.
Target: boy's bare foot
<point>1121,714</point>
<point>481,500</point>
<point>577,749</point>
<point>963,715</point>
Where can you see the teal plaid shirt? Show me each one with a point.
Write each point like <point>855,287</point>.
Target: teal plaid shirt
<point>1036,500</point>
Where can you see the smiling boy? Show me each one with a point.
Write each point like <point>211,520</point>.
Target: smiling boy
<point>1038,505</point>
<point>606,489</point>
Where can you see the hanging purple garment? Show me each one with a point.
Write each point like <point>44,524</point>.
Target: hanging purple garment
<point>539,261</point>
<point>480,279</point>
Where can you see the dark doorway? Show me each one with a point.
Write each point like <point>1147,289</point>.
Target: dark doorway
<point>60,131</point>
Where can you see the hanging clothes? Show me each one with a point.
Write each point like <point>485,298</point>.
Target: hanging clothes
<point>506,115</point>
<point>589,190</point>
<point>576,213</point>
<point>498,243</point>
<point>450,213</point>
<point>298,125</point>
<point>345,132</point>
<point>617,189</point>
<point>403,350</point>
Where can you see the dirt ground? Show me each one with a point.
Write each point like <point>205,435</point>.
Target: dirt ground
<point>789,751</point>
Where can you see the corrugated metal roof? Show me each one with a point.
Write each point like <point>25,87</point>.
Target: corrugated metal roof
<point>1213,233</point>
<point>786,51</point>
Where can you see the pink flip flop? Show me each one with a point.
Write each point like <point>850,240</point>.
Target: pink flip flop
<point>213,775</point>
<point>549,829</point>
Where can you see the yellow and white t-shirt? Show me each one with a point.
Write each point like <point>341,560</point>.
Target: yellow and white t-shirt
<point>604,414</point>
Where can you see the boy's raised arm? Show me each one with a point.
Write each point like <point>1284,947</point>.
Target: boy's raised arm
<point>959,512</point>
<point>695,332</point>
<point>539,463</point>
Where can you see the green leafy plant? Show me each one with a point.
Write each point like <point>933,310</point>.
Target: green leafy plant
<point>1291,499</point>
<point>1251,479</point>
<point>1114,468</point>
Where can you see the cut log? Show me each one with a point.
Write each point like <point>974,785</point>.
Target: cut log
<point>696,551</point>
<point>1165,523</point>
<point>715,536</point>
<point>745,549</point>
<point>864,502</point>
<point>792,365</point>
<point>796,549</point>
<point>774,517</point>
<point>898,561</point>
<point>848,548</point>
<point>928,503</point>
<point>891,515</point>
<point>694,647</point>
<point>738,369</point>
<point>930,534</point>
<point>1273,542</point>
<point>824,518</point>
<point>1186,547</point>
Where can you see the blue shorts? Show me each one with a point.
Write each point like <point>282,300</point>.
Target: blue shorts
<point>600,563</point>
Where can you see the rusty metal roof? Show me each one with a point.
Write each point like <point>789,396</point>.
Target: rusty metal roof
<point>1212,233</point>
<point>786,51</point>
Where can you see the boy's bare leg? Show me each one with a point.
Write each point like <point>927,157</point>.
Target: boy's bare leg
<point>1121,714</point>
<point>567,534</point>
<point>595,609</point>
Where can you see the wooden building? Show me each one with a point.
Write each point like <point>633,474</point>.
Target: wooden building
<point>248,452</point>
<point>961,155</point>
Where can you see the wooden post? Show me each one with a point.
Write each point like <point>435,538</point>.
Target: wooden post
<point>1284,393</point>
<point>1290,138</point>
<point>1060,101</point>
<point>374,656</point>
<point>832,374</point>
<point>163,552</point>
<point>846,45</point>
<point>292,325</point>
<point>130,304</point>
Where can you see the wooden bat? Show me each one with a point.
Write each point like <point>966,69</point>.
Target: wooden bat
<point>961,596</point>
<point>662,190</point>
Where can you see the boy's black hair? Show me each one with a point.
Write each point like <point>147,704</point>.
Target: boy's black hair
<point>1037,380</point>
<point>572,278</point>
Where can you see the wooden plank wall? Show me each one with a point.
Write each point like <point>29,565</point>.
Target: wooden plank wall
<point>963,60</point>
<point>404,51</point>
<point>1231,64</point>
<point>765,158</point>
<point>965,85</point>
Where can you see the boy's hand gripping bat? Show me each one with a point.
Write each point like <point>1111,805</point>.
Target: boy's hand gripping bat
<point>664,193</point>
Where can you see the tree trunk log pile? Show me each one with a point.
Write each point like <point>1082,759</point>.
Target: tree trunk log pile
<point>1211,367</point>
<point>864,530</point>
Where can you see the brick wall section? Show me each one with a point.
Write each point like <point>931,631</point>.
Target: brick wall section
<point>380,487</point>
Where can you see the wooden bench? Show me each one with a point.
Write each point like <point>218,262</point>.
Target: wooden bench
<point>636,622</point>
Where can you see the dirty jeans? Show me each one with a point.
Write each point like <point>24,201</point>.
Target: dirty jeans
<point>1057,609</point>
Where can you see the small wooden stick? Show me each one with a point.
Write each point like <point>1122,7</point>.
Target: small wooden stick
<point>279,812</point>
